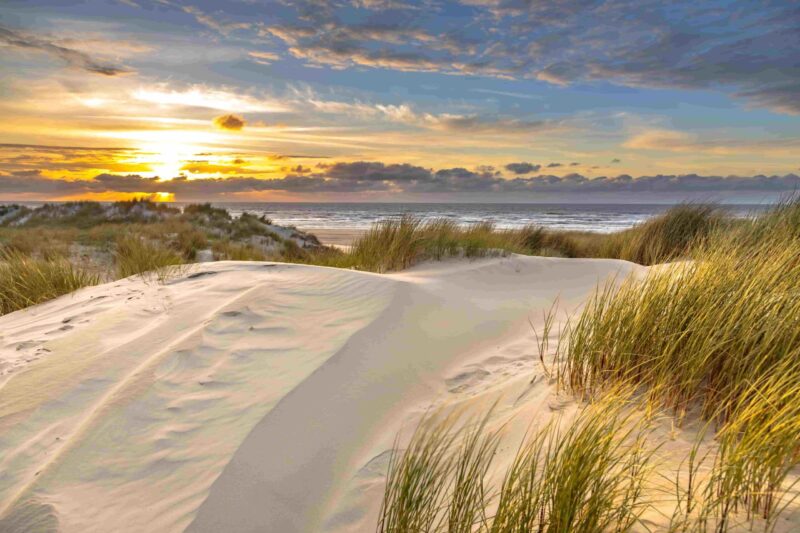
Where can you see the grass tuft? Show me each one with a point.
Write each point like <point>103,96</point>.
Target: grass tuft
<point>586,478</point>
<point>137,256</point>
<point>663,238</point>
<point>26,281</point>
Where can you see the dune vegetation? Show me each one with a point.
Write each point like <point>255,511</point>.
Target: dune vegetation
<point>134,237</point>
<point>713,342</point>
<point>134,255</point>
<point>397,244</point>
<point>26,281</point>
<point>587,476</point>
<point>84,243</point>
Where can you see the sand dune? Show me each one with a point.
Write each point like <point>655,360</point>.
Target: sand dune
<point>259,396</point>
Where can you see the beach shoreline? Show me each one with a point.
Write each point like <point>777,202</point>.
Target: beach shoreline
<point>335,237</point>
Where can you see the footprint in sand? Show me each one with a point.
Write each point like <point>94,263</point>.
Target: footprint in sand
<point>28,345</point>
<point>466,381</point>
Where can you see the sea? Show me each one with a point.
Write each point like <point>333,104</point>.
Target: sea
<point>602,218</point>
<point>598,217</point>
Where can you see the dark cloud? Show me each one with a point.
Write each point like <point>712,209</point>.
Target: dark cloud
<point>72,57</point>
<point>298,169</point>
<point>746,49</point>
<point>615,161</point>
<point>487,124</point>
<point>574,164</point>
<point>366,176</point>
<point>554,165</point>
<point>522,168</point>
<point>229,122</point>
<point>68,159</point>
<point>375,171</point>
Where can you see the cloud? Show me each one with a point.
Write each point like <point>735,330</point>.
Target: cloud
<point>69,159</point>
<point>510,94</point>
<point>378,177</point>
<point>483,124</point>
<point>677,141</point>
<point>373,171</point>
<point>265,58</point>
<point>522,168</point>
<point>747,50</point>
<point>446,122</point>
<point>325,39</point>
<point>616,161</point>
<point>234,167</point>
<point>208,98</point>
<point>229,122</point>
<point>297,169</point>
<point>75,58</point>
<point>214,22</point>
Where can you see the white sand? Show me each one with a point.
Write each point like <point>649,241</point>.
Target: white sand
<point>257,396</point>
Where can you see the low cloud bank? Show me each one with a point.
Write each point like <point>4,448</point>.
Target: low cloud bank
<point>371,176</point>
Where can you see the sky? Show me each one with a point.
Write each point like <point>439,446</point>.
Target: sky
<point>398,100</point>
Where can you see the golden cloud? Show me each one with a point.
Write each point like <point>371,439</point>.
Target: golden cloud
<point>229,122</point>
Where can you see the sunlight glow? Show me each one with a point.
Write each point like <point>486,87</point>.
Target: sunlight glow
<point>165,152</point>
<point>162,197</point>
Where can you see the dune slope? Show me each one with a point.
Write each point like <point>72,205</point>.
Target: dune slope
<point>257,396</point>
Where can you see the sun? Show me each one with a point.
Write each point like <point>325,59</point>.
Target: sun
<point>167,159</point>
<point>168,162</point>
<point>166,153</point>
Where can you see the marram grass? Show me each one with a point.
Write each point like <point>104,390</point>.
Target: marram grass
<point>583,478</point>
<point>717,336</point>
<point>397,244</point>
<point>698,332</point>
<point>26,281</point>
<point>135,255</point>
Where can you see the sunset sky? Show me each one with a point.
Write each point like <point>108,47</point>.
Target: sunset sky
<point>397,100</point>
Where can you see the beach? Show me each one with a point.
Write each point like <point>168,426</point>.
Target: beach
<point>399,266</point>
<point>281,395</point>
<point>336,237</point>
